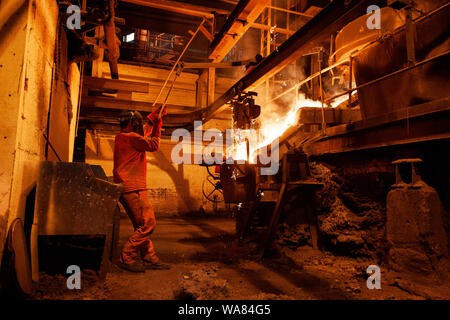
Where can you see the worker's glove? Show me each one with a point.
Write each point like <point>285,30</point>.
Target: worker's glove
<point>153,117</point>
<point>156,130</point>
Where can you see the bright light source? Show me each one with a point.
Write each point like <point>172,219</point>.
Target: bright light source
<point>129,37</point>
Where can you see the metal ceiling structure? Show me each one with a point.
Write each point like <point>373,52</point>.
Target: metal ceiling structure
<point>331,19</point>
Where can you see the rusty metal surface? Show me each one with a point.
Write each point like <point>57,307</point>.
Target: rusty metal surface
<point>295,174</point>
<point>72,200</point>
<point>332,115</point>
<point>238,182</point>
<point>426,122</point>
<point>415,229</point>
<point>356,35</point>
<point>428,82</point>
<point>331,19</point>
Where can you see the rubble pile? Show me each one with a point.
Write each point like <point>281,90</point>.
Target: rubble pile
<point>294,236</point>
<point>203,284</point>
<point>349,223</point>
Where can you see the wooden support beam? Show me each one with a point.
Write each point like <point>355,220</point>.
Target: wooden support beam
<point>97,63</point>
<point>242,17</point>
<point>201,89</point>
<point>114,84</point>
<point>211,84</point>
<point>113,103</point>
<point>206,33</point>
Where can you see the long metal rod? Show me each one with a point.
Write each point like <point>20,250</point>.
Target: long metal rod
<point>324,123</point>
<point>51,147</point>
<point>178,60</point>
<point>350,80</point>
<point>163,106</point>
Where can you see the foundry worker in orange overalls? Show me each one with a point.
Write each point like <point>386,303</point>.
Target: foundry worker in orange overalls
<point>130,170</point>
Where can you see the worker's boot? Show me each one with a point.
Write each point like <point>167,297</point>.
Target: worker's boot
<point>133,267</point>
<point>155,266</point>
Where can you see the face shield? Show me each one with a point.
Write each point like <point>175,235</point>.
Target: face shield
<point>137,121</point>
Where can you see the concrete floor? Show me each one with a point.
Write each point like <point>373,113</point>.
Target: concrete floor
<point>207,264</point>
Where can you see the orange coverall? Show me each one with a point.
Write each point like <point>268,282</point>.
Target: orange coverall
<point>130,170</point>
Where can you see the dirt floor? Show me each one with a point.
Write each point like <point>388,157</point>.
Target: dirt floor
<point>207,264</point>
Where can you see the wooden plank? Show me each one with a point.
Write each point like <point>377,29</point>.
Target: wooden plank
<point>114,84</point>
<point>113,103</point>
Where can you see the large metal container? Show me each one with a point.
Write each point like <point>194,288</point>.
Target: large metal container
<point>73,199</point>
<point>430,81</point>
<point>384,51</point>
<point>238,182</point>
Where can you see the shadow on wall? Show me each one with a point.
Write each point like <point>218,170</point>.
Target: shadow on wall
<point>186,204</point>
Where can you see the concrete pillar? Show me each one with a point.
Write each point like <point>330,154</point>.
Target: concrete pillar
<point>414,227</point>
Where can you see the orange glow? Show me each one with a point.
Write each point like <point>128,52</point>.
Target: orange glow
<point>274,123</point>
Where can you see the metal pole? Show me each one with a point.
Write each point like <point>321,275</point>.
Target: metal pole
<point>178,60</point>
<point>410,34</point>
<point>168,93</point>
<point>324,124</point>
<point>350,80</point>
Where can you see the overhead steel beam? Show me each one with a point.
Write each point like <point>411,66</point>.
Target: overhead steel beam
<point>239,21</point>
<point>181,7</point>
<point>331,19</point>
